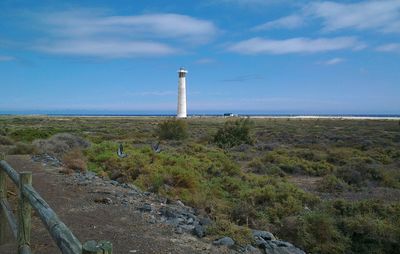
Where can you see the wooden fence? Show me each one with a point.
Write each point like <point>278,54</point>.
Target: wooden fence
<point>20,225</point>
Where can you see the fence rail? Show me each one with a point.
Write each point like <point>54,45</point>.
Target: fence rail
<point>20,225</point>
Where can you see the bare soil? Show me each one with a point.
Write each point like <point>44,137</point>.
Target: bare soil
<point>75,205</point>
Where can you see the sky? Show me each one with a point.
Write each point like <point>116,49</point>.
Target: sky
<point>242,56</point>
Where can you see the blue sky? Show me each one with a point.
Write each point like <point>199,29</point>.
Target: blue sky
<point>264,56</point>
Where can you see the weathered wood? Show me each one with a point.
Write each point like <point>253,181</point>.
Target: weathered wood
<point>25,249</point>
<point>3,217</point>
<point>10,172</point>
<point>12,222</point>
<point>28,197</point>
<point>65,240</point>
<point>92,247</point>
<point>24,215</point>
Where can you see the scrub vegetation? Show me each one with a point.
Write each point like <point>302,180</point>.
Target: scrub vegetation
<point>328,186</point>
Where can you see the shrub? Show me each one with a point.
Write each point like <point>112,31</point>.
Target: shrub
<point>22,148</point>
<point>60,144</point>
<point>318,233</point>
<point>30,134</point>
<point>331,183</point>
<point>223,227</point>
<point>75,160</point>
<point>5,141</point>
<point>234,133</point>
<point>174,129</point>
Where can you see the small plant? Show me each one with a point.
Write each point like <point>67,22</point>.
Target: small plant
<point>60,144</point>
<point>75,160</point>
<point>30,134</point>
<point>5,140</point>
<point>22,148</point>
<point>331,183</point>
<point>234,133</point>
<point>174,129</point>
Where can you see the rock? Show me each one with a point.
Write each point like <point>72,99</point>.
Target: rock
<point>281,247</point>
<point>179,230</point>
<point>225,241</point>
<point>114,182</point>
<point>115,174</point>
<point>260,242</point>
<point>180,203</point>
<point>146,208</point>
<point>168,212</point>
<point>199,231</point>
<point>187,228</point>
<point>249,249</point>
<point>263,234</point>
<point>106,201</point>
<point>205,221</point>
<point>282,243</point>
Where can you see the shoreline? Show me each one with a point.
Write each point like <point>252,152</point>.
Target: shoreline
<point>299,117</point>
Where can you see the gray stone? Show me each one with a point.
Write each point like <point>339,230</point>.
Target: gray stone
<point>199,231</point>
<point>225,241</point>
<point>205,221</point>
<point>179,230</point>
<point>180,203</point>
<point>282,243</point>
<point>263,234</point>
<point>281,247</point>
<point>146,208</point>
<point>249,249</point>
<point>260,242</point>
<point>188,228</point>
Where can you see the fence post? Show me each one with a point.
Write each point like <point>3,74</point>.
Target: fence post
<point>3,195</point>
<point>92,247</point>
<point>24,215</point>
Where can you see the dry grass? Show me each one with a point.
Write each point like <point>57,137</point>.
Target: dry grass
<point>60,144</point>
<point>22,148</point>
<point>5,141</point>
<point>75,160</point>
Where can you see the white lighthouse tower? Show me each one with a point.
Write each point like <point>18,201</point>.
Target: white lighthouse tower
<point>182,94</point>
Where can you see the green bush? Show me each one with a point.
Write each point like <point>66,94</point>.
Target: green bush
<point>30,134</point>
<point>5,140</point>
<point>332,184</point>
<point>223,227</point>
<point>174,129</point>
<point>234,133</point>
<point>318,233</point>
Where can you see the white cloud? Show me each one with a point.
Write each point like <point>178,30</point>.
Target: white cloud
<point>294,45</point>
<point>6,58</point>
<point>391,47</point>
<point>289,22</point>
<point>382,16</point>
<point>91,33</point>
<point>106,48</point>
<point>334,61</point>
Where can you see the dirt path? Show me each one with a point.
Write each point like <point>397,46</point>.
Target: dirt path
<point>123,225</point>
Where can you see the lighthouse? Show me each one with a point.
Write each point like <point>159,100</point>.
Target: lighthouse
<point>182,94</point>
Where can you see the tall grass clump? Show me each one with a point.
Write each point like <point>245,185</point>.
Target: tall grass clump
<point>22,148</point>
<point>234,133</point>
<point>5,140</point>
<point>60,144</point>
<point>173,129</point>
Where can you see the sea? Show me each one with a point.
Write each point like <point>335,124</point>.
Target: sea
<point>255,114</point>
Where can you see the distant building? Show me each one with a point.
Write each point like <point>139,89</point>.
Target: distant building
<point>182,110</point>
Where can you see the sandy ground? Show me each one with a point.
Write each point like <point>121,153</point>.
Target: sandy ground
<point>124,226</point>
